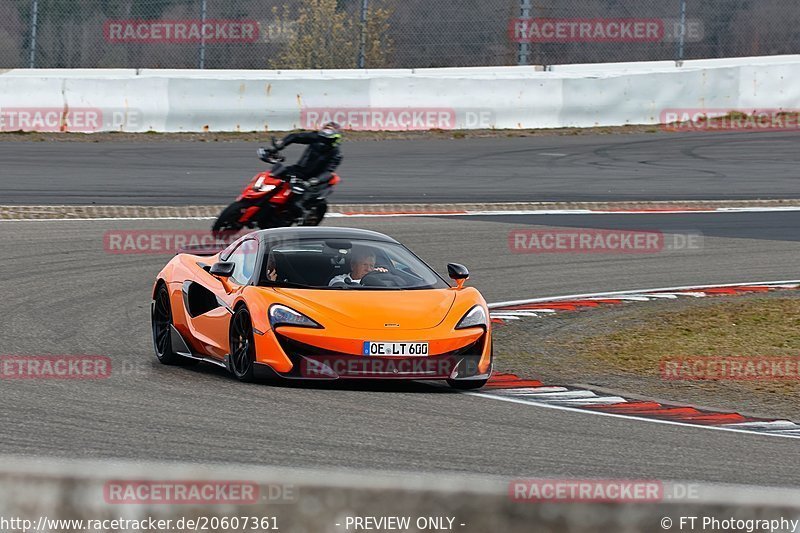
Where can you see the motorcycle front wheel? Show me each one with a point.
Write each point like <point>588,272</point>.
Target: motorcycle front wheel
<point>227,222</point>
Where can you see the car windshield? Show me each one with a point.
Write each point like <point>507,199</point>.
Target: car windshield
<point>346,264</point>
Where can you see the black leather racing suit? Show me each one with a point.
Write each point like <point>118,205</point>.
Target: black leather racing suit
<point>321,157</point>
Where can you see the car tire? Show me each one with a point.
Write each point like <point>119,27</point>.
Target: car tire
<point>161,319</point>
<point>243,346</point>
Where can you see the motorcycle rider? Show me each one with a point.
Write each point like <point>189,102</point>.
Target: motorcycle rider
<point>318,161</point>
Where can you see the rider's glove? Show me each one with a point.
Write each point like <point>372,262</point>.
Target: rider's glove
<point>263,154</point>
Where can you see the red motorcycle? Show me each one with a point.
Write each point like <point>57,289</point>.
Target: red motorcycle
<point>270,200</point>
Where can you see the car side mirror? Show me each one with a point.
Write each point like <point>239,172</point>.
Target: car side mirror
<point>222,269</point>
<point>457,272</point>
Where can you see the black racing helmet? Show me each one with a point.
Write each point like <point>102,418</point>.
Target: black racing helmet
<point>332,131</point>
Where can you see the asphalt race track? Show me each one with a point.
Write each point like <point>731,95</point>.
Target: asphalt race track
<point>656,166</point>
<point>64,294</point>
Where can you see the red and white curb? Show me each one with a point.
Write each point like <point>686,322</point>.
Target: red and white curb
<point>530,212</point>
<point>512,388</point>
<point>538,307</point>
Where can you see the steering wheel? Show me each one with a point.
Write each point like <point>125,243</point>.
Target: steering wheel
<point>377,278</point>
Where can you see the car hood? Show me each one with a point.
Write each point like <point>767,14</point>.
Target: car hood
<point>409,309</point>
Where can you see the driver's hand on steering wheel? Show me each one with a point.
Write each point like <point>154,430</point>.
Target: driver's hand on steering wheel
<point>380,269</point>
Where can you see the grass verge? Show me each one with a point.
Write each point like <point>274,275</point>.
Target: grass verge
<point>733,328</point>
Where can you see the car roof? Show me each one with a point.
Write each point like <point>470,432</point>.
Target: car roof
<point>321,233</point>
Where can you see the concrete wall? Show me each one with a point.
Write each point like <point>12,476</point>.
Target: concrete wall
<point>315,501</point>
<point>468,98</point>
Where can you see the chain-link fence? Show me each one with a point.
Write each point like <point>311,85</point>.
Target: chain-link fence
<point>386,33</point>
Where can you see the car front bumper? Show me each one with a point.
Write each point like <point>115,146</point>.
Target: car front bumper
<point>469,358</point>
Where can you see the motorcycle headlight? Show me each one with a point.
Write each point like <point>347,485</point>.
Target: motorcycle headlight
<point>260,187</point>
<point>475,318</point>
<point>280,315</point>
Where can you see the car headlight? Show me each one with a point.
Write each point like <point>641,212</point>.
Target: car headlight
<point>475,317</point>
<point>280,315</point>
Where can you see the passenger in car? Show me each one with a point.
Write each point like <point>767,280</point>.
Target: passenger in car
<point>272,269</point>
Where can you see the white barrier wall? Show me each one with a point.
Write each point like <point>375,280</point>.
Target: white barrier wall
<point>469,98</point>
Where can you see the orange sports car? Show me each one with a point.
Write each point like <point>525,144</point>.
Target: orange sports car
<point>321,303</point>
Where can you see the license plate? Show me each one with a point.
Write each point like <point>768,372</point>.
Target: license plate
<point>412,349</point>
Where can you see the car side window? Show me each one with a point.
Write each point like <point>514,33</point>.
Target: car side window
<point>244,257</point>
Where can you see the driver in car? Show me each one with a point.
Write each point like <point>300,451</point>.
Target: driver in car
<point>362,262</point>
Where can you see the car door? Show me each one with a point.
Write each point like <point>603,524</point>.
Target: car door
<point>211,327</point>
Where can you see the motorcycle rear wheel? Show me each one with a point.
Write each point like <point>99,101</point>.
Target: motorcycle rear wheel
<point>315,214</point>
